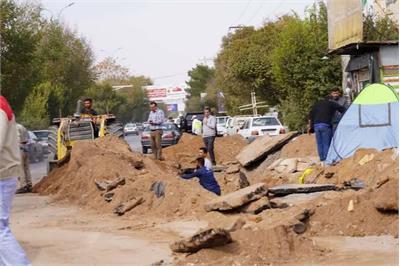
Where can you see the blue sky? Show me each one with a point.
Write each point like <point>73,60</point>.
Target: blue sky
<point>167,38</point>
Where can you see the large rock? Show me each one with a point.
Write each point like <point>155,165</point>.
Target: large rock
<point>259,149</point>
<point>238,198</point>
<point>208,238</point>
<point>293,199</point>
<point>287,189</point>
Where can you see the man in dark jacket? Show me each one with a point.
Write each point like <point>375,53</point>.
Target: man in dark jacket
<point>87,107</point>
<point>320,121</point>
<point>206,177</point>
<point>336,96</point>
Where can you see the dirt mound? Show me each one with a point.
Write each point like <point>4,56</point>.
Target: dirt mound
<point>185,152</point>
<point>107,159</point>
<point>301,146</point>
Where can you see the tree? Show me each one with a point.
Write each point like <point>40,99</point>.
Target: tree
<point>378,28</point>
<point>199,79</point>
<point>108,70</point>
<point>105,99</point>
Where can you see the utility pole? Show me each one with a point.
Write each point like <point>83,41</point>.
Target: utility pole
<point>254,104</point>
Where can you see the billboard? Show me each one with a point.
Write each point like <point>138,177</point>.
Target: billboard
<point>344,22</point>
<point>172,107</point>
<point>156,93</point>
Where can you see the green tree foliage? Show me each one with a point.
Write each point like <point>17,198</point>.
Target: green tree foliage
<point>377,28</point>
<point>41,58</point>
<point>199,81</point>
<point>281,62</point>
<point>35,114</point>
<point>105,99</point>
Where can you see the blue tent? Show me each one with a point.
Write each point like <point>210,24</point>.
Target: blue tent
<point>372,121</point>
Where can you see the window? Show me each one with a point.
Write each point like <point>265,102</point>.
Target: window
<point>265,121</point>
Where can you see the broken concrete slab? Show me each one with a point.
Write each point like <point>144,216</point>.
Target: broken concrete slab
<point>208,238</point>
<point>259,149</point>
<point>293,199</point>
<point>287,189</point>
<point>127,206</point>
<point>232,169</point>
<point>255,207</point>
<point>110,185</point>
<point>238,198</point>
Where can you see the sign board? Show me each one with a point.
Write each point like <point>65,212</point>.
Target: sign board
<point>172,107</point>
<point>156,93</point>
<point>345,24</point>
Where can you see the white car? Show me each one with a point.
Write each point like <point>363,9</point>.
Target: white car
<point>131,128</point>
<point>221,125</point>
<point>233,124</point>
<point>263,125</point>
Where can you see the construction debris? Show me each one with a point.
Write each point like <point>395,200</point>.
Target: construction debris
<point>127,206</point>
<point>110,185</point>
<point>232,169</point>
<point>208,238</point>
<point>255,207</point>
<point>259,149</point>
<point>238,198</point>
<point>287,189</point>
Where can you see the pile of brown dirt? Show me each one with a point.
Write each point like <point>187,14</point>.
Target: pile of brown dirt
<point>186,151</point>
<point>110,158</point>
<point>380,165</point>
<point>301,146</point>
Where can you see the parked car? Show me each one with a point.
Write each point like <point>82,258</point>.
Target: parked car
<point>139,127</point>
<point>34,148</point>
<point>263,125</point>
<point>233,124</point>
<point>221,125</point>
<point>43,137</point>
<point>131,128</point>
<point>186,123</point>
<point>171,136</point>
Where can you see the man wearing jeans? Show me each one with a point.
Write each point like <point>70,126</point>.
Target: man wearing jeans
<point>11,252</point>
<point>156,119</point>
<point>320,121</point>
<point>209,133</point>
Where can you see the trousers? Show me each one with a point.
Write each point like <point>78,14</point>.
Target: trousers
<point>209,143</point>
<point>156,138</point>
<point>323,135</point>
<point>11,253</point>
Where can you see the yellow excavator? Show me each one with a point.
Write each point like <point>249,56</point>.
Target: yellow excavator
<point>66,131</point>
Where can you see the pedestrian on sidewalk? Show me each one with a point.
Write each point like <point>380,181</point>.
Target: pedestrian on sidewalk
<point>156,120</point>
<point>206,177</point>
<point>25,181</point>
<point>209,132</point>
<point>11,252</point>
<point>320,121</point>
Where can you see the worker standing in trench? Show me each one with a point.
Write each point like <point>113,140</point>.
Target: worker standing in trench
<point>11,253</point>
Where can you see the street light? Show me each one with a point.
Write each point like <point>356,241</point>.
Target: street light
<point>62,9</point>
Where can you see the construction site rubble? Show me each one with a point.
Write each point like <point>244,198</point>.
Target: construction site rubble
<point>266,209</point>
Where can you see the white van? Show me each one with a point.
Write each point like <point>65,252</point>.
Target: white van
<point>221,125</point>
<point>235,123</point>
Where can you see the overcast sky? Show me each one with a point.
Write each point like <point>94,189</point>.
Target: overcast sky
<point>166,38</point>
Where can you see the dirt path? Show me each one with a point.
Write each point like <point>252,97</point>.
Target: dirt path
<point>56,234</point>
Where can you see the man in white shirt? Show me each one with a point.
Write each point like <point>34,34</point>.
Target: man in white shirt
<point>203,154</point>
<point>209,132</point>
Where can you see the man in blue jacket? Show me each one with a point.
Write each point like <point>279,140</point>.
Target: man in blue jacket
<point>206,177</point>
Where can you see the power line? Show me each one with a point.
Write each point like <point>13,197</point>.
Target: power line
<point>255,13</point>
<point>243,12</point>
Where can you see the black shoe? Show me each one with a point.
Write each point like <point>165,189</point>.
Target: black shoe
<point>26,189</point>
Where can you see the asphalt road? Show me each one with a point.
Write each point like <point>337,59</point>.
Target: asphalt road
<point>38,170</point>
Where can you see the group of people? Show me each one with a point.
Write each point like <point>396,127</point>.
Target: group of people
<point>204,165</point>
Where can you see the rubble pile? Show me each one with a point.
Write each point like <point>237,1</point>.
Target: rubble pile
<point>266,214</point>
<point>184,153</point>
<point>121,181</point>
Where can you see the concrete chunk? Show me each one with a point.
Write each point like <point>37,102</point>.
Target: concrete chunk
<point>287,189</point>
<point>208,238</point>
<point>259,149</point>
<point>238,198</point>
<point>257,206</point>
